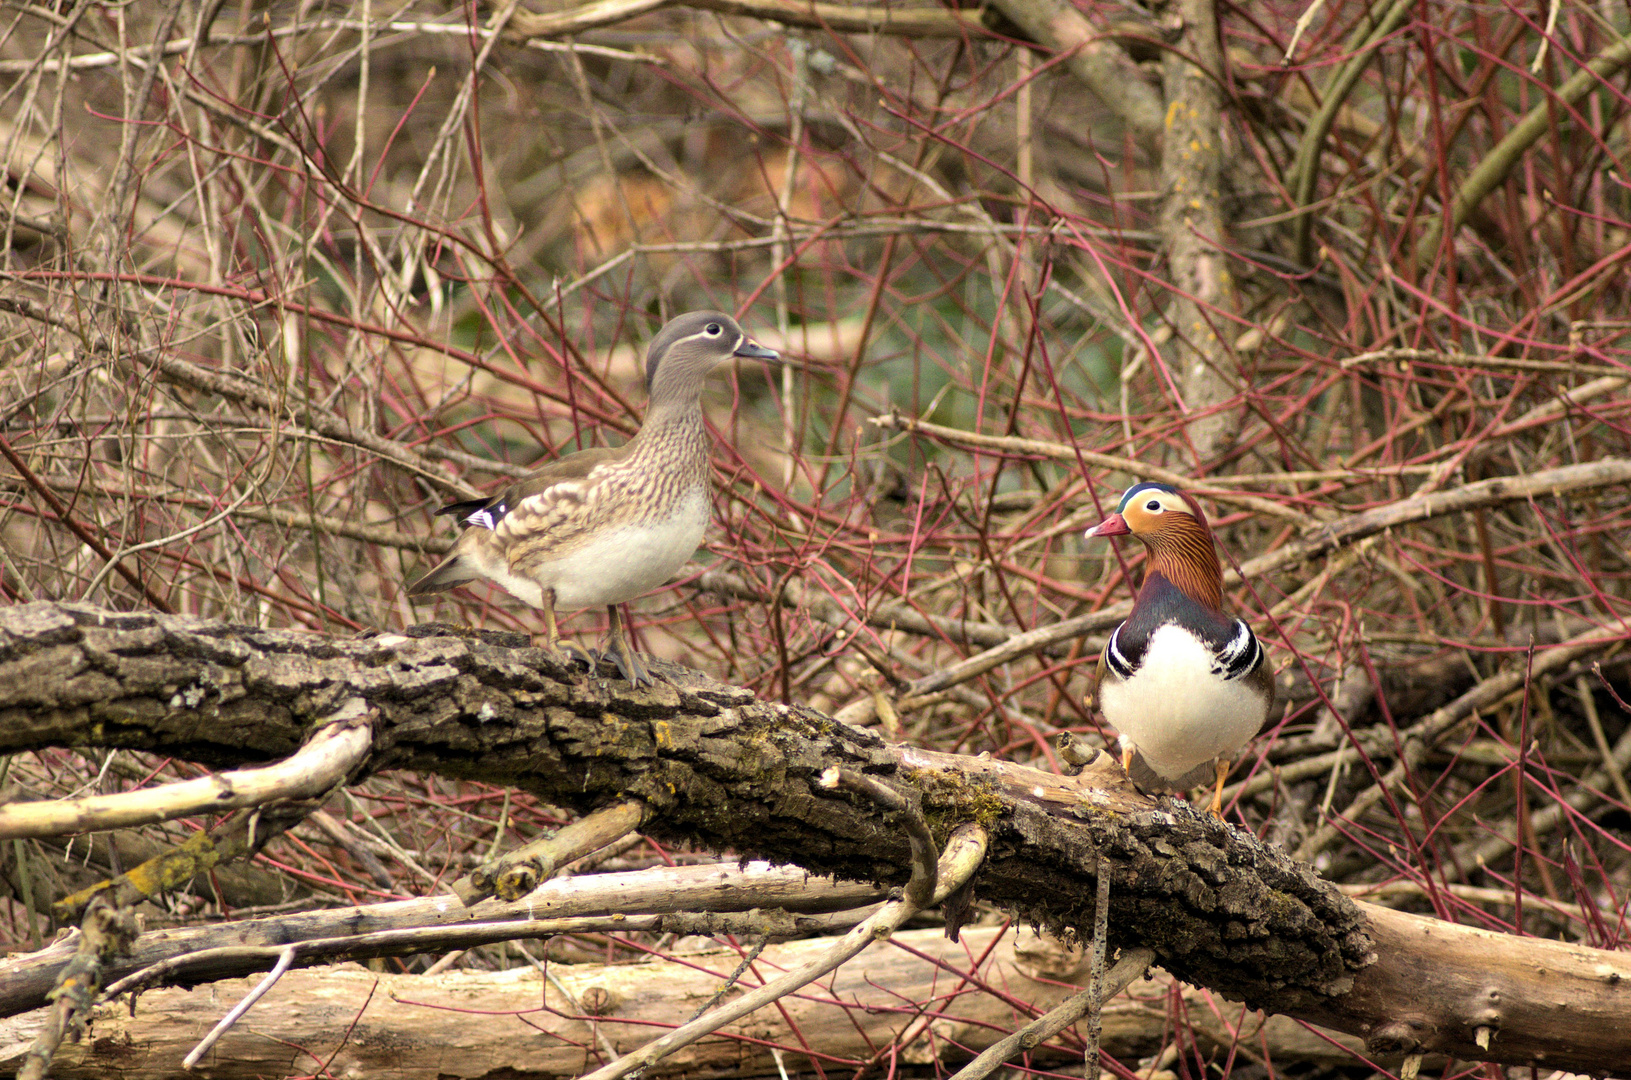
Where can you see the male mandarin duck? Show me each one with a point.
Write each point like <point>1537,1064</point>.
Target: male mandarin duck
<point>1184,684</point>
<point>601,526</point>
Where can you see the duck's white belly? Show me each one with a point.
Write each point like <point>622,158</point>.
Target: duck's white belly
<point>1175,711</point>
<point>619,563</point>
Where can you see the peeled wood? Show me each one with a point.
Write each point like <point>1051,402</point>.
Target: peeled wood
<point>1482,995</point>
<point>316,767</point>
<point>474,1024</point>
<point>25,980</point>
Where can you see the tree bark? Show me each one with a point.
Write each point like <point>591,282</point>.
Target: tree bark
<point>1193,229</point>
<point>724,770</point>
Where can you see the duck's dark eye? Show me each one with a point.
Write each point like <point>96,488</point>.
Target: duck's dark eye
<point>1153,506</point>
<point>714,329</point>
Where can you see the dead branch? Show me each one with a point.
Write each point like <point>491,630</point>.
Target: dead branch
<point>517,873</point>
<point>965,851</point>
<point>1062,1016</point>
<point>530,1029</point>
<point>106,933</point>
<point>334,749</point>
<point>1102,65</point>
<point>399,928</point>
<point>243,832</point>
<point>1207,374</point>
<point>844,18</point>
<point>724,770</point>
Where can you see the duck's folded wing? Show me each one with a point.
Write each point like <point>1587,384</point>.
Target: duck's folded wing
<point>466,507</point>
<point>487,512</point>
<point>479,546</point>
<point>1093,680</point>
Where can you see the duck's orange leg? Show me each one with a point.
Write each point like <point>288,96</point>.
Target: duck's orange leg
<point>1222,766</point>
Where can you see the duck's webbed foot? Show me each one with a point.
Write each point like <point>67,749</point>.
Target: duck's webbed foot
<point>565,653</point>
<point>628,662</point>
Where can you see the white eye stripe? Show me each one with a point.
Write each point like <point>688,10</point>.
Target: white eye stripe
<point>710,334</point>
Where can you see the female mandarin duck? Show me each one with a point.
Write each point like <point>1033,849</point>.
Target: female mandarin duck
<point>602,526</point>
<point>1183,683</point>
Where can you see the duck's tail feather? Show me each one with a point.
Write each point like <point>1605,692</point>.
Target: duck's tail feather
<point>451,571</point>
<point>465,508</point>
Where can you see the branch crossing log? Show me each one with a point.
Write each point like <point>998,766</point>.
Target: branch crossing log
<point>724,770</point>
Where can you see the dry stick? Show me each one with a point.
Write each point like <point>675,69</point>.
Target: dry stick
<point>840,18</point>
<point>1496,165</point>
<point>308,28</point>
<point>1423,734</point>
<point>1089,1002</point>
<point>1065,452</point>
<point>1095,987</point>
<point>1322,541</point>
<point>1567,397</point>
<point>775,924</point>
<point>667,995</point>
<point>598,903</point>
<point>730,981</point>
<point>243,832</point>
<point>78,529</point>
<point>326,759</point>
<point>965,850</point>
<point>342,834</point>
<point>285,958</point>
<point>519,872</point>
<point>105,932</point>
<point>1061,1016</point>
<point>1129,967</point>
<point>1460,359</point>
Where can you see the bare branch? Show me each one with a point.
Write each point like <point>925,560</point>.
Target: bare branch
<point>339,746</point>
<point>1331,962</point>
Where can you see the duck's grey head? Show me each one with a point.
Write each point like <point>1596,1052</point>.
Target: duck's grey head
<point>691,346</point>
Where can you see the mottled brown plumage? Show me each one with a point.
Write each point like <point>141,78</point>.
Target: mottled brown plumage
<point>602,526</point>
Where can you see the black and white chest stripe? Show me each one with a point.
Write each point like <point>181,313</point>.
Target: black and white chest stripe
<point>1238,657</point>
